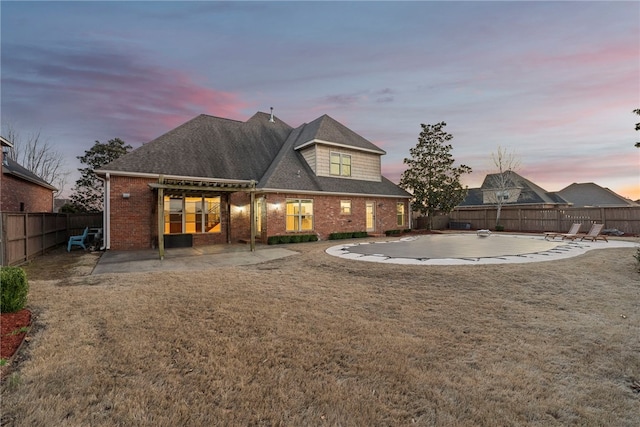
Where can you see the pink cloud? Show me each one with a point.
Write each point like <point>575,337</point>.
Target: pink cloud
<point>135,100</point>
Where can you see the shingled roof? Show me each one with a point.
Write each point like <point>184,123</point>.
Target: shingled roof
<point>530,193</point>
<point>259,149</point>
<point>591,194</point>
<point>13,168</point>
<point>209,147</point>
<point>325,129</point>
<point>290,171</point>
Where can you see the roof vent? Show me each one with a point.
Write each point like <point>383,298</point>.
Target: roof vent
<point>271,120</point>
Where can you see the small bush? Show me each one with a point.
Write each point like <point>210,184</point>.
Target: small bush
<point>292,238</point>
<point>348,235</point>
<point>499,227</point>
<point>13,289</point>
<point>273,240</point>
<point>392,232</point>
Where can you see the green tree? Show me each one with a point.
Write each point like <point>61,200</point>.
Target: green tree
<point>637,125</point>
<point>430,176</point>
<point>87,196</point>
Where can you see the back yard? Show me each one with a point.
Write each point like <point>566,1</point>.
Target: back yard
<point>316,340</point>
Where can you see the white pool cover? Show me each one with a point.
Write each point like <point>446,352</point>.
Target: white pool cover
<point>468,249</point>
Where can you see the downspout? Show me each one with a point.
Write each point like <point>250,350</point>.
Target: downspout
<point>106,213</point>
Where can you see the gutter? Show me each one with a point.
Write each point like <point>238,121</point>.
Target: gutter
<point>106,212</point>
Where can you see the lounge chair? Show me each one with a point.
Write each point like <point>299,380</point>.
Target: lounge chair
<point>594,233</point>
<point>78,240</point>
<point>573,231</point>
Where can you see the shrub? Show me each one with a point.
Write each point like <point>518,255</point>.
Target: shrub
<point>13,289</point>
<point>292,238</point>
<point>348,235</point>
<point>392,232</point>
<point>499,227</point>
<point>273,240</point>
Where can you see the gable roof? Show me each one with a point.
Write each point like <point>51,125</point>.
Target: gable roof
<point>11,167</point>
<point>591,194</point>
<point>259,149</point>
<point>530,193</point>
<point>290,172</point>
<point>326,130</point>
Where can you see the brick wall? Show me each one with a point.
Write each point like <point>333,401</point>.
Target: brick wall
<point>327,216</point>
<point>133,220</point>
<point>240,216</point>
<point>33,197</point>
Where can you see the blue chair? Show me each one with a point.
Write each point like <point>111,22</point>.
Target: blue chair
<point>78,240</point>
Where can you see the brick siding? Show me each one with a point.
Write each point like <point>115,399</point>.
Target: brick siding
<point>14,191</point>
<point>134,219</point>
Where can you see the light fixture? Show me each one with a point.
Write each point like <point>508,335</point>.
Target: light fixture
<point>126,195</point>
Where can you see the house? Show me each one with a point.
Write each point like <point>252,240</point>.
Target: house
<point>516,191</point>
<point>20,189</point>
<point>213,180</point>
<point>589,194</point>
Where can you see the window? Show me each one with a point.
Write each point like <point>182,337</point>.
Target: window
<point>345,207</point>
<point>340,164</point>
<point>299,215</point>
<point>400,213</point>
<point>191,214</point>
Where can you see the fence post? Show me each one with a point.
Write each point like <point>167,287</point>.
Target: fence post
<point>42,233</point>
<point>2,237</point>
<point>26,236</point>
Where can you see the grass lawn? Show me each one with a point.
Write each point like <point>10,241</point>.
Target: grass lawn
<point>316,340</point>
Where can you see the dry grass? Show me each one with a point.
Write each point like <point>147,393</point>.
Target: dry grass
<point>317,340</point>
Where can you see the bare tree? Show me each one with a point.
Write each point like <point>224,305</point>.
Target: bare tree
<point>38,156</point>
<point>637,111</point>
<point>501,184</point>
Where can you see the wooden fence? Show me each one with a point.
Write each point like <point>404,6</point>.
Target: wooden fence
<point>24,236</point>
<point>625,219</point>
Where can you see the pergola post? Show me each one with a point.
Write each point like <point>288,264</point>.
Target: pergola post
<point>252,214</point>
<point>161,218</point>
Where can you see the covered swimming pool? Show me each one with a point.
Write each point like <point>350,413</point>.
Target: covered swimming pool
<point>438,249</point>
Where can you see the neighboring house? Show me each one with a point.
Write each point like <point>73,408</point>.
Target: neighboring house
<point>214,180</point>
<point>59,203</point>
<point>589,194</point>
<point>518,191</point>
<point>20,189</point>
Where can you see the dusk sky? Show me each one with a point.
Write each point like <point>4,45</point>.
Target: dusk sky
<point>553,82</point>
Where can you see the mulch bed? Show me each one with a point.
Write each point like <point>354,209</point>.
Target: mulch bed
<point>14,327</point>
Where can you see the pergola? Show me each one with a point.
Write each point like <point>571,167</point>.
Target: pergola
<point>202,186</point>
